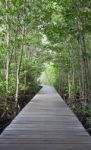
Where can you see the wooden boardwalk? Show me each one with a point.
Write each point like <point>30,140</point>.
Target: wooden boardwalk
<point>46,123</point>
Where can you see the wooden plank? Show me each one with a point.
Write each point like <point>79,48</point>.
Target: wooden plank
<point>44,132</point>
<point>45,146</point>
<point>60,140</point>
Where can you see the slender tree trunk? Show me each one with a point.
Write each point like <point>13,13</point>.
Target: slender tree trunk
<point>71,72</point>
<point>7,46</point>
<point>18,66</point>
<point>83,63</point>
<point>69,83</point>
<point>61,77</point>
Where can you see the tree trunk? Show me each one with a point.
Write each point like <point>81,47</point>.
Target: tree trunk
<point>83,63</point>
<point>18,65</point>
<point>7,46</point>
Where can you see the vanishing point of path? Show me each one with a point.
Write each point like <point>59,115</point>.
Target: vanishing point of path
<point>46,123</point>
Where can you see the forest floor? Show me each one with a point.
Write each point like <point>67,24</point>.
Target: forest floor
<point>8,112</point>
<point>82,113</point>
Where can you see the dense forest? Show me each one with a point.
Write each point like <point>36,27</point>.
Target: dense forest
<point>49,42</point>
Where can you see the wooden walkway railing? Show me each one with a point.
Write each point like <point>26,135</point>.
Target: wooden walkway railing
<point>46,123</point>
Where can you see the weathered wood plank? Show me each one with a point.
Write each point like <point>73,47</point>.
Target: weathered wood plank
<point>45,146</point>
